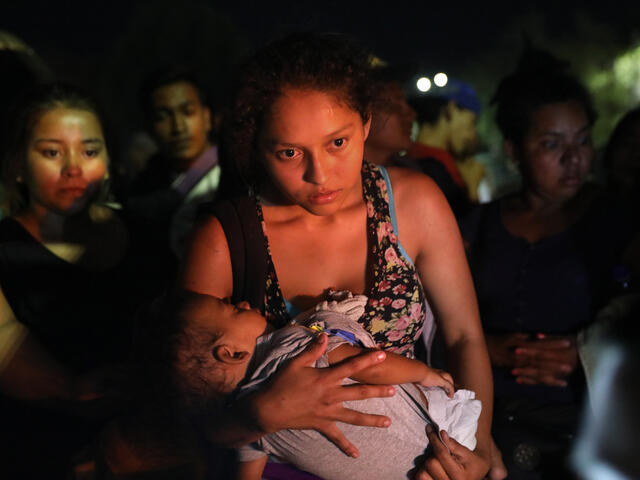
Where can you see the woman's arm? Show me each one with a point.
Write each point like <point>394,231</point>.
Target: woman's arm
<point>395,370</point>
<point>27,370</point>
<point>207,267</point>
<point>430,234</point>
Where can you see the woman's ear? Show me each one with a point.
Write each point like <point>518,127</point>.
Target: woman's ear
<point>367,127</point>
<point>228,354</point>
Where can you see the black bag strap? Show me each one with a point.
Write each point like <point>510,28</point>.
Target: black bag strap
<point>245,238</point>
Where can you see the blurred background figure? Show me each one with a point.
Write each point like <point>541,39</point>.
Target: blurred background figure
<point>607,447</point>
<point>621,159</point>
<point>184,173</point>
<point>69,285</point>
<point>447,138</point>
<point>21,70</point>
<point>392,118</point>
<point>542,261</point>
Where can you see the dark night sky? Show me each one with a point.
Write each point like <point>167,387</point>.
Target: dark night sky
<point>436,31</point>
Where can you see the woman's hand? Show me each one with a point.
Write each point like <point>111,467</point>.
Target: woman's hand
<point>546,359</point>
<point>303,397</point>
<point>438,378</point>
<point>502,348</point>
<point>451,461</point>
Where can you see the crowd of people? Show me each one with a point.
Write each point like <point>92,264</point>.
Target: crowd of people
<point>303,284</point>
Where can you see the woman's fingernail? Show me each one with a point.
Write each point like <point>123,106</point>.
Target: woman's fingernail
<point>429,428</point>
<point>515,372</point>
<point>541,336</point>
<point>519,351</point>
<point>391,391</point>
<point>381,356</point>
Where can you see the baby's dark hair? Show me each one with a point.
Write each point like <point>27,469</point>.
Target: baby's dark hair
<point>172,354</point>
<point>24,116</point>
<point>538,80</point>
<point>330,63</point>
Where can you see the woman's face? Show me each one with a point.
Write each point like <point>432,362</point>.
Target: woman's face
<point>556,152</point>
<point>312,146</point>
<point>66,160</point>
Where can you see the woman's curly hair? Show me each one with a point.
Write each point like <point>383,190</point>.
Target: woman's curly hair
<point>326,62</point>
<point>538,80</point>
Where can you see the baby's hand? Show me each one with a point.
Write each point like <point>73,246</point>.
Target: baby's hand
<point>438,378</point>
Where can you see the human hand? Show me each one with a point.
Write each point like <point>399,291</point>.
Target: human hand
<point>451,461</point>
<point>438,378</point>
<point>502,348</point>
<point>303,397</point>
<point>498,470</point>
<point>547,360</point>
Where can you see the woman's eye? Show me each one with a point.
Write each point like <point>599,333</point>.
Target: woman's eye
<point>339,142</point>
<point>92,153</point>
<point>286,154</point>
<point>50,153</point>
<point>550,145</point>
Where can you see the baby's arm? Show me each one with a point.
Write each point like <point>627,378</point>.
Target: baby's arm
<point>395,370</point>
<point>251,470</point>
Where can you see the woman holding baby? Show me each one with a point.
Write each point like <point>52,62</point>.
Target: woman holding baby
<point>329,219</point>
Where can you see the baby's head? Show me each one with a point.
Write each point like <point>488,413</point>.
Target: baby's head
<point>193,349</point>
<point>215,344</point>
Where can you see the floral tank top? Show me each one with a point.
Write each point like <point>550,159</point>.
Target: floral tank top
<point>396,311</point>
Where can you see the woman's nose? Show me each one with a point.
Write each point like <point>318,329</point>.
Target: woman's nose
<point>316,171</point>
<point>72,165</point>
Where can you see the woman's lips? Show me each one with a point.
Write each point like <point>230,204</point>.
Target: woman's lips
<point>76,191</point>
<point>324,197</point>
<point>571,180</point>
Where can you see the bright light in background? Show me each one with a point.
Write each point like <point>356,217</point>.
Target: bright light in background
<point>440,79</point>
<point>423,84</point>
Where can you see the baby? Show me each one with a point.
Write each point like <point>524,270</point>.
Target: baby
<point>225,350</point>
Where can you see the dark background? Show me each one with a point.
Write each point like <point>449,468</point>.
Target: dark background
<point>108,47</point>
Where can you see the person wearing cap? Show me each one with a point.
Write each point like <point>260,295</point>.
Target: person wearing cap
<point>447,134</point>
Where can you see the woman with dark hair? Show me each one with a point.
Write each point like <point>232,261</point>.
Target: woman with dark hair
<point>329,220</point>
<point>65,299</point>
<point>542,261</point>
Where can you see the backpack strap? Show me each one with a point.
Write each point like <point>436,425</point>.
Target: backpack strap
<point>245,238</point>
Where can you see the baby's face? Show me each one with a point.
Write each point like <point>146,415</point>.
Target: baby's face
<point>233,328</point>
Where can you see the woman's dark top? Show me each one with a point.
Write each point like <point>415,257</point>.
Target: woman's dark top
<point>84,320</point>
<point>80,317</point>
<point>553,286</point>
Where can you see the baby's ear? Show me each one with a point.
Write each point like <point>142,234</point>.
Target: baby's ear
<point>227,354</point>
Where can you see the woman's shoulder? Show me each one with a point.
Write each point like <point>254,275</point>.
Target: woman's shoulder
<point>413,189</point>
